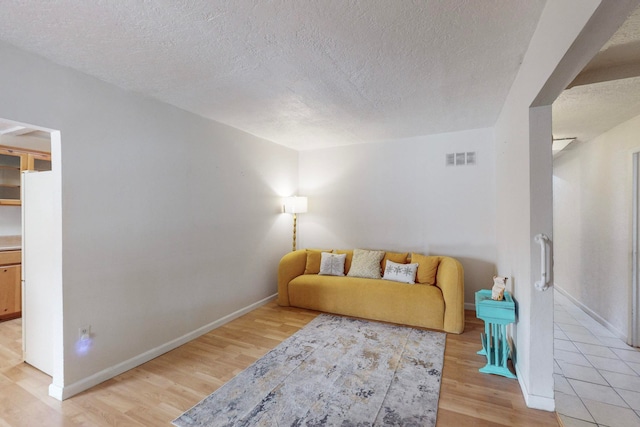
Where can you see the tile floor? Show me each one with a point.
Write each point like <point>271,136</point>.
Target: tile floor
<point>597,376</point>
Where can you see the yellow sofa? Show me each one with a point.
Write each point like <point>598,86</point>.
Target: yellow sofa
<point>439,306</point>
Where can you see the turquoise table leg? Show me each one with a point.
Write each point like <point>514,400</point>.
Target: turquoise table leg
<point>496,348</point>
<point>486,340</point>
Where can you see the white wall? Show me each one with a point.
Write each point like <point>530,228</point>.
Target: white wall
<point>521,169</point>
<point>169,221</point>
<point>399,195</point>
<point>592,187</point>
<point>569,34</point>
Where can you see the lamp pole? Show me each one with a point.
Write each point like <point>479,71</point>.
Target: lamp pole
<point>295,219</point>
<point>294,205</point>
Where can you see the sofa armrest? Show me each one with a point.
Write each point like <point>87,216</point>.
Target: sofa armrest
<point>291,266</point>
<point>450,280</point>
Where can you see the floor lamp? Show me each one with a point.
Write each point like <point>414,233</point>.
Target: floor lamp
<point>295,205</point>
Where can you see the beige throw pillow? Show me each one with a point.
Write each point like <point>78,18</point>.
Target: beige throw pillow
<point>366,264</point>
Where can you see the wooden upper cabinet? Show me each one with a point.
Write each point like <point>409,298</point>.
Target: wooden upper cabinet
<point>11,165</point>
<point>12,162</point>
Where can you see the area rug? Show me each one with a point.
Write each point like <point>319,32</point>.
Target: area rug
<point>336,371</point>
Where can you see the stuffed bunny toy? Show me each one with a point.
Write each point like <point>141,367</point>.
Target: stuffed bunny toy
<point>497,292</point>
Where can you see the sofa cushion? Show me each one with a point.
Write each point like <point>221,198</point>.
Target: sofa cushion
<point>427,268</point>
<point>370,299</point>
<point>404,273</point>
<point>366,264</point>
<point>313,261</point>
<point>332,264</point>
<point>397,257</point>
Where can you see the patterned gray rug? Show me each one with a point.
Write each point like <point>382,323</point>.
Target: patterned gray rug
<point>336,371</point>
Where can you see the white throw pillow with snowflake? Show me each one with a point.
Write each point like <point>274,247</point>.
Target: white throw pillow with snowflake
<point>332,264</point>
<point>405,273</point>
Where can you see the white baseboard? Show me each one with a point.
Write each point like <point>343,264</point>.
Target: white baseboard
<point>55,391</point>
<point>469,306</point>
<point>533,401</point>
<point>593,314</point>
<point>67,391</point>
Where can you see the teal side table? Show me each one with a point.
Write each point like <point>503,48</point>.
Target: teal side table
<point>496,315</point>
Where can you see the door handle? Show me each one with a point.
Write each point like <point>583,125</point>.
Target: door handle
<point>543,283</point>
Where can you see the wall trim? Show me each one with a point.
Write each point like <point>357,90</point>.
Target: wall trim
<point>593,314</point>
<point>533,401</point>
<point>55,391</point>
<point>470,306</point>
<point>64,392</point>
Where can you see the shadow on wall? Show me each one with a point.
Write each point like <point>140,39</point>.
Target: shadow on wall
<point>478,274</point>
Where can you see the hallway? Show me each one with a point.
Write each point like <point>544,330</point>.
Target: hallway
<point>597,376</point>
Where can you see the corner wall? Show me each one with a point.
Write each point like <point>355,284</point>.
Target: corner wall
<point>569,34</point>
<point>592,187</point>
<point>170,221</point>
<point>399,195</point>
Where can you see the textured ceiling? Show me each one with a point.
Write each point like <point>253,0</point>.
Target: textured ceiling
<point>607,92</point>
<point>587,111</point>
<point>302,73</point>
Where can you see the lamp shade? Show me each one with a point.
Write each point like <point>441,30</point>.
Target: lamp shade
<point>295,205</point>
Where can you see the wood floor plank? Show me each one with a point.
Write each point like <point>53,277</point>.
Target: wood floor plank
<point>158,391</point>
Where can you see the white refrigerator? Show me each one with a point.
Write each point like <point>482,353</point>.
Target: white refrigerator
<point>37,269</point>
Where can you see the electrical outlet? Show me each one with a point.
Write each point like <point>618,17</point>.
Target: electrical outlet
<point>85,332</point>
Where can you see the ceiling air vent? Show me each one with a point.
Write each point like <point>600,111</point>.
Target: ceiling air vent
<point>460,159</point>
<point>471,157</point>
<point>451,159</point>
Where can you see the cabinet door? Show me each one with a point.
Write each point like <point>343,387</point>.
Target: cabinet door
<point>39,162</point>
<point>12,162</point>
<point>10,167</point>
<point>10,298</point>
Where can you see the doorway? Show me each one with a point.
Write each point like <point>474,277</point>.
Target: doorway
<point>595,190</point>
<point>26,171</point>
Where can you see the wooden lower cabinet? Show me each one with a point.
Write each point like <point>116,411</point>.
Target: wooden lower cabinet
<point>10,286</point>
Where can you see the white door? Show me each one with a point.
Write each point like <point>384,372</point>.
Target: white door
<point>37,269</point>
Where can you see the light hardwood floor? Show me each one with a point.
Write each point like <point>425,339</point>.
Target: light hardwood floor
<point>155,393</point>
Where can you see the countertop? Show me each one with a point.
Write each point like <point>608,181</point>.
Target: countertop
<point>10,243</point>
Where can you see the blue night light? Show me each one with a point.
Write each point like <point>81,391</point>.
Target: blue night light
<point>83,345</point>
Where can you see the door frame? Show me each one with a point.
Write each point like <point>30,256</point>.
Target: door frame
<point>634,336</point>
